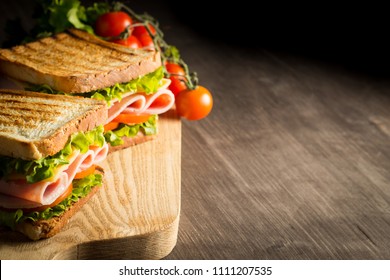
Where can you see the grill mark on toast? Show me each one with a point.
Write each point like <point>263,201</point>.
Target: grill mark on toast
<point>110,51</point>
<point>81,35</point>
<point>29,112</point>
<point>74,56</point>
<point>25,113</point>
<point>12,110</point>
<point>31,123</point>
<point>102,55</point>
<point>35,125</point>
<point>50,60</point>
<point>79,59</point>
<point>40,61</point>
<point>6,129</point>
<point>75,42</point>
<point>39,102</point>
<point>75,62</point>
<point>13,113</point>
<point>62,100</point>
<point>50,52</point>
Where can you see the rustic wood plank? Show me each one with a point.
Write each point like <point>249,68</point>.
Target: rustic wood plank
<point>293,163</point>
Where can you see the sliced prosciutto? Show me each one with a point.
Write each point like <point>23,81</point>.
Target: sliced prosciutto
<point>142,103</point>
<point>20,194</point>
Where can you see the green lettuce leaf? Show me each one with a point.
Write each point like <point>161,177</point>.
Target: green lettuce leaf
<point>82,141</point>
<point>44,168</point>
<point>149,84</point>
<point>58,15</point>
<point>114,137</point>
<point>95,10</point>
<point>81,188</point>
<point>43,89</point>
<point>75,16</point>
<point>61,13</point>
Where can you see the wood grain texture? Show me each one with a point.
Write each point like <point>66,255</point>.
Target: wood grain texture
<point>293,162</point>
<point>134,216</point>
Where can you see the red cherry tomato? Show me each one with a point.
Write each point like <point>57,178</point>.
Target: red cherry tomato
<point>177,79</point>
<point>139,30</point>
<point>146,40</point>
<point>174,68</point>
<point>162,101</point>
<point>131,42</point>
<point>90,170</point>
<point>131,118</point>
<point>112,24</point>
<point>194,104</point>
<point>110,126</point>
<point>177,85</point>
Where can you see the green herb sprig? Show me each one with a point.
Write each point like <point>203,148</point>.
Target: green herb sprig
<point>168,52</point>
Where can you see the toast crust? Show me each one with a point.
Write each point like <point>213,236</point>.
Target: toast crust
<point>76,62</point>
<point>35,125</point>
<point>48,228</point>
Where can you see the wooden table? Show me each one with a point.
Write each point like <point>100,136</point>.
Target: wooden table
<point>293,162</point>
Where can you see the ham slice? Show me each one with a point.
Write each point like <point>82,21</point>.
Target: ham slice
<point>141,103</point>
<point>17,194</point>
<point>26,195</point>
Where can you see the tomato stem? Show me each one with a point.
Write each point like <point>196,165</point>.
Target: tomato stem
<point>166,53</point>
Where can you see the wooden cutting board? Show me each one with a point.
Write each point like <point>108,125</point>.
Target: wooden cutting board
<point>134,216</point>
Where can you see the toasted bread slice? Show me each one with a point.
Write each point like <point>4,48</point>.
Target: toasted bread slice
<point>76,62</point>
<point>35,125</point>
<point>48,228</point>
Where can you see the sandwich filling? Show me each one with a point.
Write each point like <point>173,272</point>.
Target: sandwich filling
<point>29,186</point>
<point>133,106</point>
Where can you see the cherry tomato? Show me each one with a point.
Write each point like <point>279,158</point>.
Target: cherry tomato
<point>178,79</point>
<point>146,40</point>
<point>138,30</point>
<point>67,193</point>
<point>131,42</point>
<point>177,85</point>
<point>110,126</point>
<point>131,118</point>
<point>85,172</point>
<point>194,104</point>
<point>161,101</point>
<point>174,68</point>
<point>112,24</point>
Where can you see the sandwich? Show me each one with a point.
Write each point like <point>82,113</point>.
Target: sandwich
<point>130,81</point>
<point>50,148</point>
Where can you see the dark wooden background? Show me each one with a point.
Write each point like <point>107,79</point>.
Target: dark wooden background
<point>294,161</point>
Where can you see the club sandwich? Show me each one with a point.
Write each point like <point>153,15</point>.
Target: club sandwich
<point>130,81</point>
<point>50,148</point>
